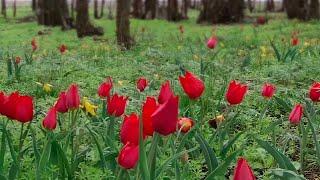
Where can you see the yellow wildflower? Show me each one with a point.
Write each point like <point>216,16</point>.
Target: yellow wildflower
<point>89,107</point>
<point>47,87</point>
<point>220,119</point>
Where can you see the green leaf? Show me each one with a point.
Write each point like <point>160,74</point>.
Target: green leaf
<point>284,174</point>
<point>165,165</point>
<point>143,162</point>
<point>230,143</point>
<point>222,168</point>
<point>277,53</point>
<point>63,157</point>
<point>44,159</point>
<point>209,155</point>
<point>15,166</point>
<point>283,161</point>
<point>100,151</point>
<point>153,154</point>
<point>315,139</point>
<point>3,149</point>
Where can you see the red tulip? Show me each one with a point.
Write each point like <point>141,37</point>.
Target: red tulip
<point>296,114</point>
<point>192,85</point>
<point>268,90</point>
<point>181,29</point>
<point>165,118</point>
<point>24,109</point>
<point>73,97</point>
<point>50,121</point>
<point>62,48</point>
<point>61,104</point>
<point>243,171</point>
<point>116,105</point>
<point>3,99</point>
<point>294,41</point>
<point>148,108</point>
<point>261,20</point>
<point>314,92</point>
<point>165,93</point>
<point>17,60</point>
<point>142,83</point>
<point>128,156</point>
<point>129,132</point>
<point>185,124</point>
<point>236,92</point>
<point>34,44</point>
<point>212,42</point>
<point>105,88</point>
<point>9,105</point>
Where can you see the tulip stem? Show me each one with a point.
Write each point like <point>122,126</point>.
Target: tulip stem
<point>111,127</point>
<point>302,145</point>
<point>120,174</point>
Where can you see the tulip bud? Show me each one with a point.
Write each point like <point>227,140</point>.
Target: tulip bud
<point>236,92</point>
<point>192,86</point>
<point>61,104</point>
<point>243,171</point>
<point>50,121</point>
<point>128,156</point>
<point>116,105</point>
<point>62,48</point>
<point>148,108</point>
<point>268,90</point>
<point>296,114</point>
<point>165,93</point>
<point>142,83</point>
<point>105,88</point>
<point>314,92</point>
<point>212,43</point>
<point>73,97</point>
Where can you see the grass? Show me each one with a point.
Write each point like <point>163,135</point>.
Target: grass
<point>244,53</point>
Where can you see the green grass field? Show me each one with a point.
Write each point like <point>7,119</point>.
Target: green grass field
<point>244,53</point>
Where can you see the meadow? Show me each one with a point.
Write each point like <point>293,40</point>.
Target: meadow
<point>257,129</point>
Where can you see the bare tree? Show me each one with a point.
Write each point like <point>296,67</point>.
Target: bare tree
<point>150,9</point>
<point>185,8</point>
<point>34,5</point>
<point>173,12</point>
<point>251,5</point>
<point>137,8</point>
<point>14,6</point>
<point>3,8</point>
<point>54,13</point>
<point>72,8</point>
<point>221,11</point>
<point>314,12</point>
<point>83,24</point>
<point>297,9</point>
<point>123,24</point>
<point>270,5</point>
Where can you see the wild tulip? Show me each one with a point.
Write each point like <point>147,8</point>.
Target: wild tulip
<point>105,88</point>
<point>34,44</point>
<point>181,29</point>
<point>9,105</point>
<point>165,118</point>
<point>268,90</point>
<point>62,48</point>
<point>185,124</point>
<point>50,121</point>
<point>192,85</point>
<point>236,92</point>
<point>212,42</point>
<point>129,132</point>
<point>24,109</point>
<point>243,171</point>
<point>261,20</point>
<point>3,99</point>
<point>296,114</point>
<point>73,97</point>
<point>17,60</point>
<point>116,105</point>
<point>148,108</point>
<point>314,92</point>
<point>128,156</point>
<point>88,107</point>
<point>294,41</point>
<point>165,93</point>
<point>61,104</point>
<point>142,83</point>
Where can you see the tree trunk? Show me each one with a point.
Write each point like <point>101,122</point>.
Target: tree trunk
<point>297,9</point>
<point>14,8</point>
<point>150,9</point>
<point>123,24</point>
<point>314,12</point>
<point>173,12</point>
<point>270,5</point>
<point>250,6</point>
<point>83,24</point>
<point>34,5</point>
<point>221,11</point>
<point>95,9</point>
<point>54,13</point>
<point>72,8</point>
<point>185,7</point>
<point>4,8</point>
<point>103,3</point>
<point>137,8</point>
